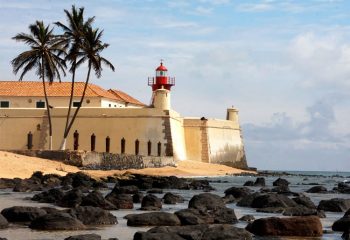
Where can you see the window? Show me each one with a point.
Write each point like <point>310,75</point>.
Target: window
<point>76,104</point>
<point>40,104</point>
<point>4,104</point>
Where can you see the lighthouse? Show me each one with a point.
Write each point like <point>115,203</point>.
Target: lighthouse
<point>161,86</point>
<point>161,80</point>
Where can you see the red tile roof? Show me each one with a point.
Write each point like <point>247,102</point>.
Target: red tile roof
<point>57,89</point>
<point>125,97</point>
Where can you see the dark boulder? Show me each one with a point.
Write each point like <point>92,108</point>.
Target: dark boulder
<point>295,226</point>
<point>84,237</point>
<point>247,218</point>
<point>121,201</point>
<point>57,221</point>
<point>200,232</point>
<point>248,200</point>
<point>317,189</point>
<point>81,179</point>
<point>3,222</point>
<point>238,192</point>
<point>259,182</point>
<point>171,198</point>
<point>343,187</point>
<point>96,199</point>
<point>225,232</point>
<point>192,216</point>
<point>153,219</point>
<point>280,182</point>
<point>51,196</point>
<point>28,185</point>
<point>334,205</point>
<point>22,214</point>
<point>272,200</point>
<point>198,184</point>
<point>125,190</point>
<point>223,215</point>
<point>156,236</point>
<point>137,197</point>
<point>151,203</point>
<point>8,183</point>
<point>302,211</point>
<point>305,201</point>
<point>155,191</point>
<point>71,199</point>
<point>93,215</point>
<point>206,201</point>
<point>342,224</point>
<point>248,183</point>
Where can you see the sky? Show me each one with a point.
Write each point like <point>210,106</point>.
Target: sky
<point>284,64</point>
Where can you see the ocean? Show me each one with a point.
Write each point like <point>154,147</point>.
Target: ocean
<point>300,182</point>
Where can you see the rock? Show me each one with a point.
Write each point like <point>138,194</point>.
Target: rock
<point>156,236</point>
<point>271,210</point>
<point>125,190</point>
<point>248,183</point>
<point>224,215</point>
<point>171,198</point>
<point>272,200</point>
<point>295,226</point>
<point>280,182</point>
<point>317,189</point>
<point>247,218</point>
<point>300,211</point>
<point>50,209</point>
<point>137,197</point>
<point>99,185</point>
<point>192,216</point>
<point>96,199</point>
<point>93,215</point>
<point>51,180</point>
<point>71,199</point>
<point>151,203</point>
<point>51,196</point>
<point>237,192</point>
<point>81,179</point>
<point>153,219</point>
<point>155,191</point>
<point>284,189</point>
<point>57,221</point>
<point>342,224</point>
<point>206,201</point>
<point>22,214</point>
<point>199,232</point>
<point>3,222</point>
<point>8,183</point>
<point>334,205</point>
<point>305,201</point>
<point>343,187</point>
<point>84,237</point>
<point>121,201</point>
<point>197,184</point>
<point>226,232</point>
<point>248,200</point>
<point>28,185</point>
<point>260,181</point>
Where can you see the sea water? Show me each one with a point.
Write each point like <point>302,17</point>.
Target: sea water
<point>300,182</point>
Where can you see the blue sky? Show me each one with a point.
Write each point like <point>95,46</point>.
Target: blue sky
<point>284,64</point>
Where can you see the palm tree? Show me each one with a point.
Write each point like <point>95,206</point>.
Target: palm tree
<point>90,51</point>
<point>73,35</point>
<point>44,56</point>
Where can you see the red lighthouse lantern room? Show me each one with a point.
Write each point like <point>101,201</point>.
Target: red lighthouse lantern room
<point>161,80</point>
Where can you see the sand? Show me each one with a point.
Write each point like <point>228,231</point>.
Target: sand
<point>15,165</point>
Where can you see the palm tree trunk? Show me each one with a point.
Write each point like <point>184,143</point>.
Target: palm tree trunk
<point>65,134</point>
<point>47,104</point>
<point>81,100</point>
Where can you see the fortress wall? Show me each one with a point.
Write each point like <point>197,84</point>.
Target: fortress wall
<point>143,124</point>
<point>193,138</point>
<point>225,143</point>
<point>178,136</point>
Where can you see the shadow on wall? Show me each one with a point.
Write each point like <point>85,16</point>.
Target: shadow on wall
<point>233,156</point>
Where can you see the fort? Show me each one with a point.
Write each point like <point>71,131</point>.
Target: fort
<point>129,126</point>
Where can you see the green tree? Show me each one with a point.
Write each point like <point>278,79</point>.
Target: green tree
<point>44,57</point>
<point>73,37</point>
<point>90,52</point>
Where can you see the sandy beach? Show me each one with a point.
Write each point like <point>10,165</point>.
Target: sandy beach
<point>15,165</point>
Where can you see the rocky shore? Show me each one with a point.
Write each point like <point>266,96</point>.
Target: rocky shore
<point>79,202</point>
